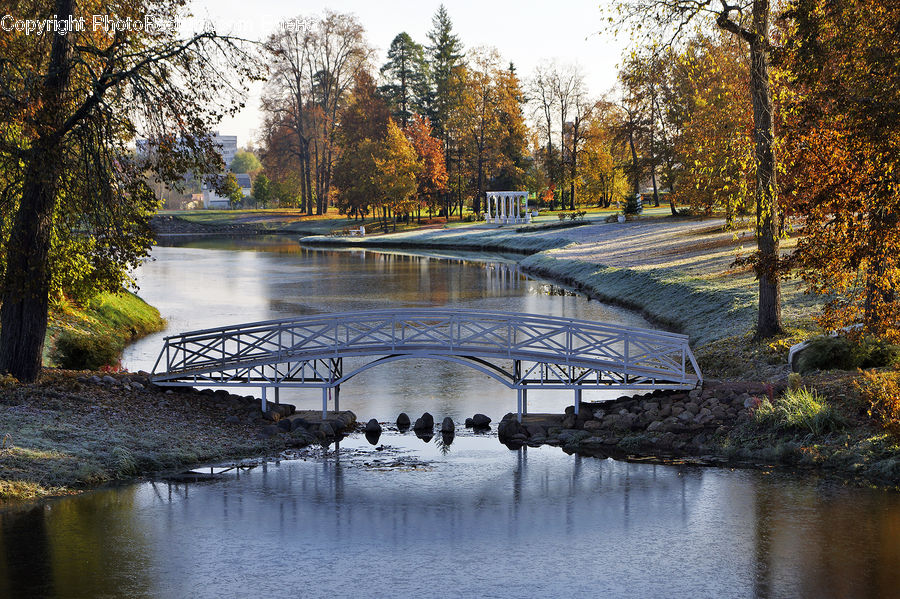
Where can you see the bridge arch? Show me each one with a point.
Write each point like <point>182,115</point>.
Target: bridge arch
<point>522,351</point>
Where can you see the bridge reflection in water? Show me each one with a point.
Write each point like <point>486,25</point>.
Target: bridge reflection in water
<point>523,351</point>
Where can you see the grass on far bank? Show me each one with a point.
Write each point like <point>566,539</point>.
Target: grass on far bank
<point>93,334</point>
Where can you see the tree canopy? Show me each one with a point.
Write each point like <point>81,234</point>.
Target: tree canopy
<point>75,200</point>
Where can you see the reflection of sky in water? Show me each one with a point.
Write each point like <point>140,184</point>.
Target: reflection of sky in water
<point>233,281</point>
<point>480,521</point>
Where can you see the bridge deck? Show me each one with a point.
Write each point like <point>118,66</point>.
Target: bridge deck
<point>523,351</point>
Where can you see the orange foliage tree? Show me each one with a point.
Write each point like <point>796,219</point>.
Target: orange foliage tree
<point>432,179</point>
<point>716,137</point>
<point>842,117</point>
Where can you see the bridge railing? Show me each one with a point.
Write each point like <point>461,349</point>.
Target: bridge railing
<point>432,332</point>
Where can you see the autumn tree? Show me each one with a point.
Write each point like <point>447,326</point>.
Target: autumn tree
<point>396,172</point>
<point>543,99</point>
<point>513,132</point>
<point>72,103</point>
<point>842,121</point>
<point>715,141</point>
<point>561,106</point>
<point>406,79</point>
<point>363,125</point>
<point>597,177</point>
<point>642,76</point>
<point>431,181</point>
<point>477,120</point>
<point>750,21</point>
<point>313,66</point>
<point>231,189</point>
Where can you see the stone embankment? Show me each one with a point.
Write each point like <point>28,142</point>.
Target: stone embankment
<point>684,423</point>
<point>296,429</point>
<point>172,225</point>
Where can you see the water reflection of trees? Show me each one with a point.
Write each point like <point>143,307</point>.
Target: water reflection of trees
<point>821,540</point>
<point>95,545</point>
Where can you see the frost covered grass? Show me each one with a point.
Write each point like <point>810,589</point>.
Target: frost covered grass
<point>459,238</point>
<point>61,435</point>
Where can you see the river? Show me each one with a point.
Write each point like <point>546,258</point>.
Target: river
<point>406,517</point>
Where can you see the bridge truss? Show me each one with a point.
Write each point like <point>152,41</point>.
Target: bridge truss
<point>523,351</point>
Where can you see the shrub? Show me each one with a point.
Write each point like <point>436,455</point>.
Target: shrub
<point>794,380</point>
<point>85,351</point>
<point>826,353</point>
<point>802,409</point>
<point>685,212</point>
<point>632,206</point>
<point>562,216</point>
<point>875,353</point>
<point>882,392</point>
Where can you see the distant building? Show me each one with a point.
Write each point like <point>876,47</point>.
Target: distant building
<point>213,201</point>
<point>227,146</point>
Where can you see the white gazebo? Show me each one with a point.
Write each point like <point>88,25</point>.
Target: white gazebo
<point>504,207</point>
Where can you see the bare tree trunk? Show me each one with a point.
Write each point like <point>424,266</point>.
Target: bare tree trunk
<point>636,171</point>
<point>26,287</point>
<point>768,231</point>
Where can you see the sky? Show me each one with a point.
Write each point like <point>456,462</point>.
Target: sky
<point>525,33</point>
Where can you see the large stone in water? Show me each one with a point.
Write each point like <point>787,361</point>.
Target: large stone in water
<point>372,427</point>
<point>426,422</point>
<point>447,425</point>
<point>508,428</point>
<point>403,421</point>
<point>480,421</point>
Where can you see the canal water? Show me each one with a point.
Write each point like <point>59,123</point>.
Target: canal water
<point>468,518</point>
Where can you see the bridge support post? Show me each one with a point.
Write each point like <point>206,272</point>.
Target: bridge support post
<point>324,403</point>
<point>337,398</point>
<point>577,400</point>
<point>277,401</point>
<point>263,402</point>
<point>524,401</point>
<point>519,405</point>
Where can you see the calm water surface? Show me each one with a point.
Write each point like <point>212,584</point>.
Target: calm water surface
<point>219,282</point>
<point>408,518</point>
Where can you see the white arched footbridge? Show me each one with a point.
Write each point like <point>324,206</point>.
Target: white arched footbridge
<point>523,351</point>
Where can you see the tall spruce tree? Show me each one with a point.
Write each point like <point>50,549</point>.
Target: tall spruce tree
<point>445,60</point>
<point>406,79</point>
<point>446,69</point>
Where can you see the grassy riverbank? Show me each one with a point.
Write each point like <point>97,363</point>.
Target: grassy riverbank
<point>74,430</point>
<point>92,334</point>
<point>677,272</point>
